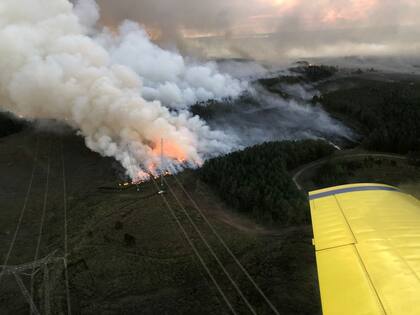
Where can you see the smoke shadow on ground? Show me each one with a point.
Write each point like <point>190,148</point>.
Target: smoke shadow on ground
<point>260,116</point>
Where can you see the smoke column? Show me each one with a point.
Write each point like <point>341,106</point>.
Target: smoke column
<point>54,66</point>
<point>123,93</point>
<point>167,76</point>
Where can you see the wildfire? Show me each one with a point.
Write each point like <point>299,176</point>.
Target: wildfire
<point>169,150</point>
<point>152,168</point>
<point>142,177</point>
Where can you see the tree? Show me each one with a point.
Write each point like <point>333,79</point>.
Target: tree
<point>256,180</point>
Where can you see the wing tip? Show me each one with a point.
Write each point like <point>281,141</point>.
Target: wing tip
<point>325,192</point>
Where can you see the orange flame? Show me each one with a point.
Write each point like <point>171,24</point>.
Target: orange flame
<point>152,168</point>
<point>170,150</point>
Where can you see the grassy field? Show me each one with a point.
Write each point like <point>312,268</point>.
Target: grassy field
<point>127,254</point>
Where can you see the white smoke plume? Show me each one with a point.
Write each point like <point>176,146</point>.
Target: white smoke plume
<point>168,76</point>
<point>52,68</point>
<point>267,117</point>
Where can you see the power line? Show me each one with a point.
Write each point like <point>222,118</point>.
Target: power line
<point>66,273</point>
<point>130,163</point>
<point>235,285</point>
<point>47,306</point>
<point>26,294</point>
<point>22,212</point>
<point>44,207</point>
<point>200,258</point>
<point>32,265</point>
<point>250,278</point>
<point>19,269</point>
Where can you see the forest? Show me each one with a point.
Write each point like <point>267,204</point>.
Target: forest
<point>388,111</point>
<point>256,181</point>
<point>9,125</point>
<point>314,73</point>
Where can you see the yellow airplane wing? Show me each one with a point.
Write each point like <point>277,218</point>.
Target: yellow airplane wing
<point>367,242</point>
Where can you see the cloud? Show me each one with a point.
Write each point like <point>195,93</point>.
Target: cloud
<point>169,16</point>
<point>296,27</point>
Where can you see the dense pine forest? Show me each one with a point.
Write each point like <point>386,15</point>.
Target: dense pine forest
<point>388,111</point>
<point>256,180</point>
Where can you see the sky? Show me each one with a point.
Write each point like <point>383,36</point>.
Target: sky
<point>290,27</point>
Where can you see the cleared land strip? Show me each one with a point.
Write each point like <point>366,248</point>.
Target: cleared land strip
<point>317,163</point>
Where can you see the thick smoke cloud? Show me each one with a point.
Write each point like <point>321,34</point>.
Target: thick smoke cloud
<point>291,28</point>
<point>50,68</point>
<point>267,117</point>
<point>169,17</point>
<point>124,93</point>
<point>166,75</point>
